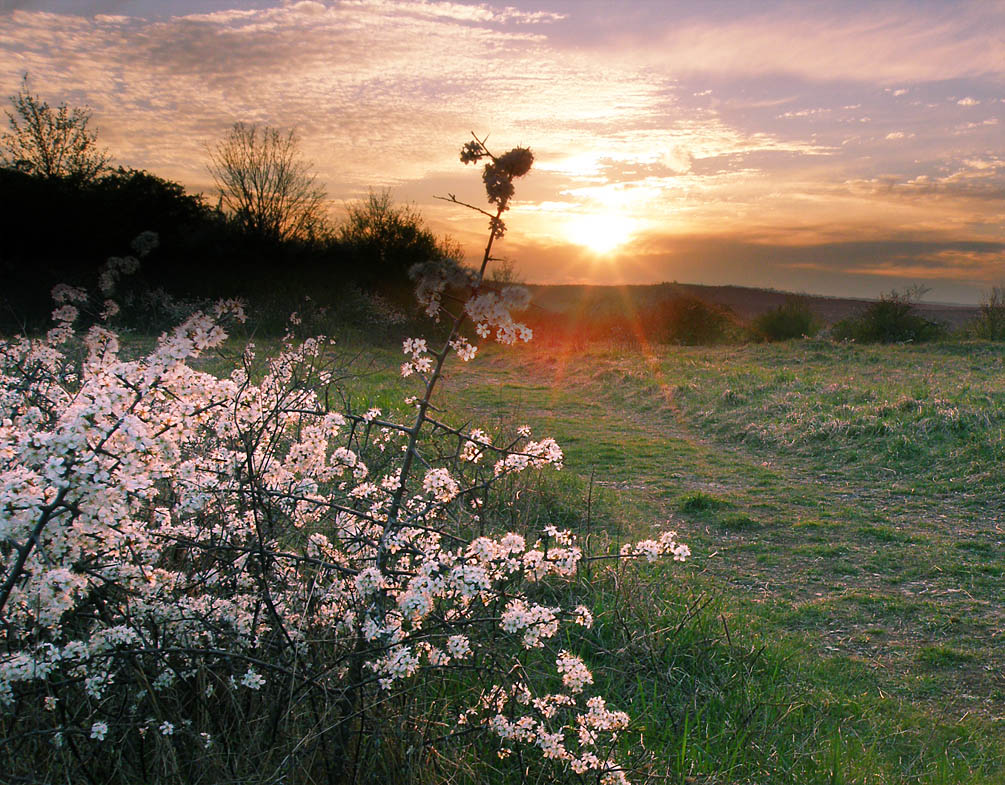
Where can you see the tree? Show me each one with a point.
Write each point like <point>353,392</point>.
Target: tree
<point>51,143</point>
<point>266,185</point>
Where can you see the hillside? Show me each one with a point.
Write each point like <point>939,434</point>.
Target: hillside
<point>747,303</point>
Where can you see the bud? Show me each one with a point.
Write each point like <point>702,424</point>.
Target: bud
<point>498,185</point>
<point>517,162</point>
<point>471,152</point>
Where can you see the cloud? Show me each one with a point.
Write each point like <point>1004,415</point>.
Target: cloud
<point>977,179</point>
<point>456,11</point>
<point>382,80</point>
<point>375,86</point>
<point>805,113</point>
<point>875,42</point>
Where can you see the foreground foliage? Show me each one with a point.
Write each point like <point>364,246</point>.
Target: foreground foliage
<point>241,577</point>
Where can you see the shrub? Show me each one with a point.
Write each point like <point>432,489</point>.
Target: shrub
<point>891,319</point>
<point>243,578</point>
<point>792,319</point>
<point>692,322</point>
<point>990,321</point>
<point>61,231</point>
<point>381,241</point>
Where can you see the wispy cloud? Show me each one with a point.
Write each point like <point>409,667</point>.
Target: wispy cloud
<point>344,74</point>
<point>456,11</point>
<point>881,41</point>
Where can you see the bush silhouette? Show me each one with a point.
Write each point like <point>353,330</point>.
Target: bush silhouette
<point>990,322</point>
<point>792,319</point>
<point>382,240</point>
<point>62,230</point>
<point>692,322</point>
<point>891,319</point>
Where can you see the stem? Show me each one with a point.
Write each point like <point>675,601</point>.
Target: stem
<point>420,418</point>
<point>23,551</point>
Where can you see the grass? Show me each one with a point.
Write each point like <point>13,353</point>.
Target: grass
<point>844,508</point>
<point>840,620</point>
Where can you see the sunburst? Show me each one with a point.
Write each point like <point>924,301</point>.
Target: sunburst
<point>601,232</point>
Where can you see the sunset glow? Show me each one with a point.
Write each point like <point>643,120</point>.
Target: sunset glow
<point>839,148</point>
<point>600,233</point>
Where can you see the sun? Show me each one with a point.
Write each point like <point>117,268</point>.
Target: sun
<point>601,233</point>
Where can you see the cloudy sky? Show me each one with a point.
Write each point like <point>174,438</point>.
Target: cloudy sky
<point>828,147</point>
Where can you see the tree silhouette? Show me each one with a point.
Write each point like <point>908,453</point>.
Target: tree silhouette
<point>50,143</point>
<point>266,185</point>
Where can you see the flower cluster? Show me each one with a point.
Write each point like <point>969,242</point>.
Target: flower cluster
<point>464,349</point>
<point>650,550</point>
<point>420,361</point>
<point>580,737</point>
<point>499,173</point>
<point>473,448</point>
<point>533,454</point>
<point>575,674</point>
<point>439,484</point>
<point>172,539</point>
<point>490,310</point>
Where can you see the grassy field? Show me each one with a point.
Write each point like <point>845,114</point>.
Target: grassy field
<point>841,619</point>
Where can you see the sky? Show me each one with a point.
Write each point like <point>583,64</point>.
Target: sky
<point>839,148</point>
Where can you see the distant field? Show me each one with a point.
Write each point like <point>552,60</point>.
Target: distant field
<point>844,502</point>
<point>746,303</point>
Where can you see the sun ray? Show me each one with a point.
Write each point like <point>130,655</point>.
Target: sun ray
<point>601,232</point>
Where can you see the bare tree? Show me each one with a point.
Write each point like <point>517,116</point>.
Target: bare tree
<point>50,142</point>
<point>265,183</point>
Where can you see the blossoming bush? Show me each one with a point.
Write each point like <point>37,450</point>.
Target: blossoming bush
<point>235,577</point>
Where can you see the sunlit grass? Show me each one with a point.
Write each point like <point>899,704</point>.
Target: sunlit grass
<point>843,503</point>
<point>837,622</point>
